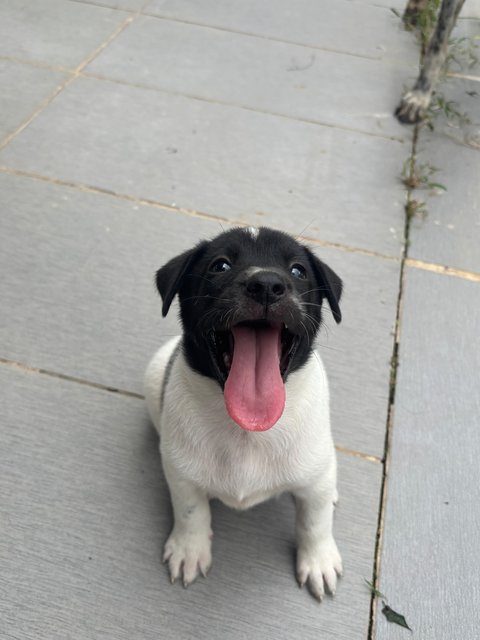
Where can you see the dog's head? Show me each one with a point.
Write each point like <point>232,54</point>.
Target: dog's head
<point>250,304</point>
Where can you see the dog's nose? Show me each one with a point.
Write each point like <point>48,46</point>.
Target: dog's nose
<point>266,287</point>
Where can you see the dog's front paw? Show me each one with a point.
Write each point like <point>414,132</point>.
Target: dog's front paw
<point>187,554</point>
<point>318,564</point>
<point>412,107</point>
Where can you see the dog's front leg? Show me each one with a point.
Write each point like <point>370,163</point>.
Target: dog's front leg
<point>188,548</point>
<point>318,559</point>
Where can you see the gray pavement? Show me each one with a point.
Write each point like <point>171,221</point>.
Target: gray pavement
<point>130,130</point>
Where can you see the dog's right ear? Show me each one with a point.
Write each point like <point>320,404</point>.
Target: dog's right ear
<point>170,277</point>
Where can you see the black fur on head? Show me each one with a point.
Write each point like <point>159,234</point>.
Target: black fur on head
<point>248,276</point>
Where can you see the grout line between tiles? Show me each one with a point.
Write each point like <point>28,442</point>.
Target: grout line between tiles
<point>37,111</point>
<point>24,368</point>
<point>144,12</point>
<point>259,36</point>
<point>78,72</point>
<point>463,76</point>
<point>358,454</point>
<point>138,85</point>
<point>443,270</point>
<point>386,456</point>
<point>184,211</point>
<point>106,6</point>
<point>75,73</point>
<point>61,376</point>
<point>410,262</point>
<point>37,64</point>
<point>394,364</point>
<point>223,103</point>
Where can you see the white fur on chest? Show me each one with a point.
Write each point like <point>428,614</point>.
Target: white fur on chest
<point>242,468</point>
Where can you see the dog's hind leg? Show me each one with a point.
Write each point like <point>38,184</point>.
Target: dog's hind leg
<point>414,103</point>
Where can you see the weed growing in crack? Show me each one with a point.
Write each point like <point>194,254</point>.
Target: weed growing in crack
<point>420,176</point>
<point>416,209</point>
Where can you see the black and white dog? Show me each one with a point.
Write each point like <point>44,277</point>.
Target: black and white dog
<point>415,102</point>
<point>240,401</point>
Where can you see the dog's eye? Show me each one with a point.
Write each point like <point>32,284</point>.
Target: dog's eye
<point>220,265</point>
<point>298,271</point>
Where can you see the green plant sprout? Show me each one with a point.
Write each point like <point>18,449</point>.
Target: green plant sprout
<point>420,176</point>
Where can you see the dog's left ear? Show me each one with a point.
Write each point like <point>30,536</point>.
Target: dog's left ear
<point>170,277</point>
<point>329,283</point>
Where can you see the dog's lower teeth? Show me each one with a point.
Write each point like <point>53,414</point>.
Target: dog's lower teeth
<point>226,360</point>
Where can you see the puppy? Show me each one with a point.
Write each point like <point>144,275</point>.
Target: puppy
<point>415,102</point>
<point>240,400</point>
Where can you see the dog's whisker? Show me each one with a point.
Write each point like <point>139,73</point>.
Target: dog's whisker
<point>310,304</point>
<point>224,317</point>
<point>324,346</point>
<point>323,307</point>
<point>307,334</point>
<point>299,235</point>
<point>292,316</point>
<point>210,297</point>
<point>324,288</point>
<point>313,322</point>
<point>200,276</point>
<point>308,318</point>
<point>326,329</point>
<point>211,313</point>
<point>314,326</point>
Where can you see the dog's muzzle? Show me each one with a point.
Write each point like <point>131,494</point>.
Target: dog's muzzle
<point>253,356</point>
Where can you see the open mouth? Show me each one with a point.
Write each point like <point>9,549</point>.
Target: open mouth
<point>252,360</point>
<point>222,346</point>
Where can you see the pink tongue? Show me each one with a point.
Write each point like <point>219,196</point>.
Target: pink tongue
<point>254,391</point>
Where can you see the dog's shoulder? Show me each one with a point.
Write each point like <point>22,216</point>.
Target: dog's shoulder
<point>156,375</point>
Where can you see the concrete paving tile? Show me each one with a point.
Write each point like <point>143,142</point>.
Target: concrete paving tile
<point>397,5</point>
<point>257,73</point>
<point>83,301</point>
<point>331,24</point>
<point>471,9</point>
<point>429,569</point>
<point>54,31</point>
<point>448,233</point>
<point>85,512</point>
<point>22,89</point>
<point>231,162</point>
<point>127,5</point>
<point>468,24</point>
<point>357,353</point>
